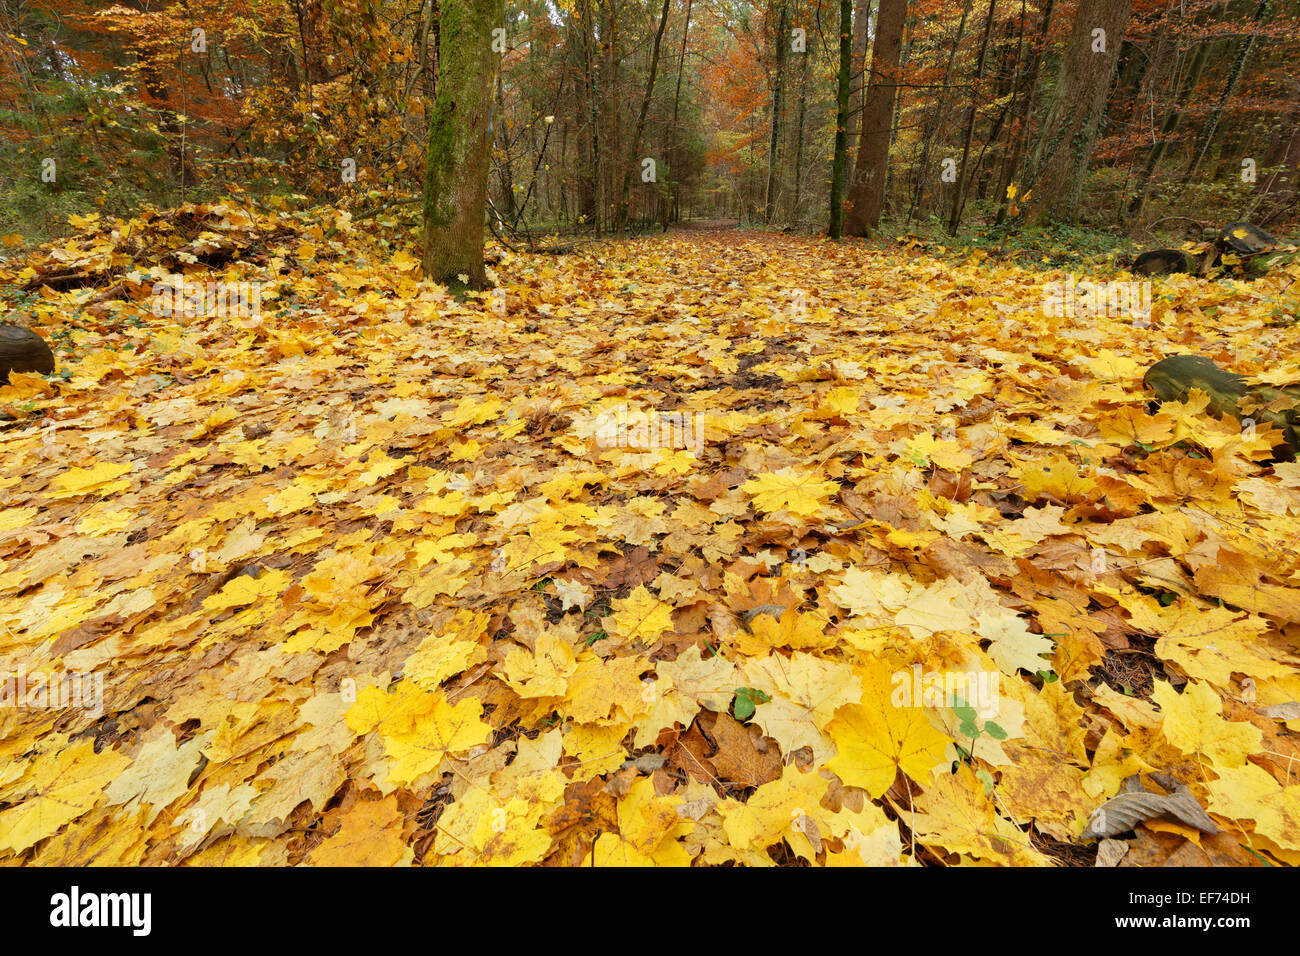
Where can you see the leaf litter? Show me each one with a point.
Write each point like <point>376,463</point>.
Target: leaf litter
<point>651,555</point>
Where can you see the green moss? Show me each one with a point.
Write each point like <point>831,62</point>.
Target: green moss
<point>457,159</point>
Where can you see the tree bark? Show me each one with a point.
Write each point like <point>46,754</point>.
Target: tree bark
<point>635,161</point>
<point>940,112</point>
<point>22,350</point>
<point>841,117</point>
<point>1075,113</point>
<point>1167,128</point>
<point>769,207</point>
<point>963,179</point>
<point>798,141</point>
<point>1238,64</point>
<point>589,177</point>
<point>1280,190</point>
<point>867,194</point>
<point>456,170</point>
<point>1020,132</point>
<point>676,163</point>
<point>862,10</point>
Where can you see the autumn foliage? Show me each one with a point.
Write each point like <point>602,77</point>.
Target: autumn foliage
<point>379,576</point>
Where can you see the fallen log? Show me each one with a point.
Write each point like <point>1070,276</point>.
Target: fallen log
<point>1173,380</point>
<point>1160,262</point>
<point>22,350</point>
<point>1246,238</point>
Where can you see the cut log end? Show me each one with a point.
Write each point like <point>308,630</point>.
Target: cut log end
<point>1161,262</point>
<point>1173,380</point>
<point>1246,238</point>
<point>22,350</point>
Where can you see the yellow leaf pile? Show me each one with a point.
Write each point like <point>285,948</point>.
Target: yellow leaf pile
<point>677,551</point>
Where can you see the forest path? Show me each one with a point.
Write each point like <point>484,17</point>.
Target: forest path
<point>378,575</point>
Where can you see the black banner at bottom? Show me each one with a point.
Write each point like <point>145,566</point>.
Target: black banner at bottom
<point>339,907</point>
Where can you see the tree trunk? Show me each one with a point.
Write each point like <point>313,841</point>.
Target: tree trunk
<point>862,10</point>
<point>769,207</point>
<point>798,141</point>
<point>309,16</point>
<point>1006,72</point>
<point>429,50</point>
<point>635,162</point>
<point>1280,190</point>
<point>1173,380</point>
<point>909,36</point>
<point>867,194</point>
<point>610,112</point>
<point>841,117</point>
<point>676,163</point>
<point>456,171</point>
<point>1238,64</point>
<point>1075,113</point>
<point>589,175</point>
<point>940,111</point>
<point>505,166</point>
<point>22,350</point>
<point>1020,135</point>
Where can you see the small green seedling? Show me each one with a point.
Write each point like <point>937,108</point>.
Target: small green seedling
<point>747,698</point>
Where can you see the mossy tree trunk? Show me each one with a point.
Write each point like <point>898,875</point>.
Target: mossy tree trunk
<point>1076,110</point>
<point>1175,378</point>
<point>841,119</point>
<point>778,86</point>
<point>460,142</point>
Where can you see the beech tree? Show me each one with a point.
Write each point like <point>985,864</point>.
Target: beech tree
<point>985,110</point>
<point>460,142</point>
<point>840,156</point>
<point>867,193</point>
<point>1075,111</point>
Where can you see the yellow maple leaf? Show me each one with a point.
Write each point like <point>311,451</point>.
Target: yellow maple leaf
<point>957,815</point>
<point>242,589</point>
<point>788,808</point>
<point>543,671</point>
<point>472,411</point>
<point>370,835</point>
<point>795,490</point>
<point>403,261</point>
<point>1132,424</point>
<point>804,691</point>
<point>879,736</point>
<point>1193,724</point>
<point>214,421</point>
<point>640,616</point>
<point>1111,366</point>
<point>1237,580</point>
<point>599,687</point>
<point>72,781</point>
<point>1013,645</point>
<point>926,449</point>
<point>99,478</point>
<point>481,829</point>
<point>418,727</point>
<point>793,630</point>
<point>1058,477</point>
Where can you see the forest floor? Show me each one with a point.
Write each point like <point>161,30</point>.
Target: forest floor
<point>655,553</point>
